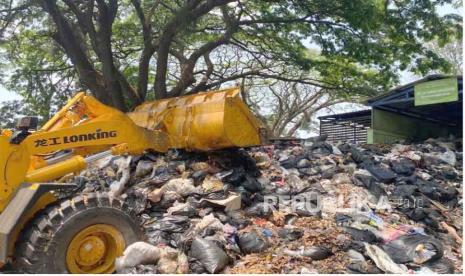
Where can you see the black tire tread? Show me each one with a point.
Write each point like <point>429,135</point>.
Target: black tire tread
<point>39,232</point>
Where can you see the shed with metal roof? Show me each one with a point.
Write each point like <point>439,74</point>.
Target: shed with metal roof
<point>427,108</point>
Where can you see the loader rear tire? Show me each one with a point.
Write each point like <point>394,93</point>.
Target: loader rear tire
<point>83,234</point>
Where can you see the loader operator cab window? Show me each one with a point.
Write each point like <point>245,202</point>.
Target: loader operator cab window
<point>23,126</point>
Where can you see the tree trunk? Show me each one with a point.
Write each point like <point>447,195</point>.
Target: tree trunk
<point>67,39</point>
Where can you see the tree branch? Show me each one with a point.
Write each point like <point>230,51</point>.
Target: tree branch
<point>187,14</point>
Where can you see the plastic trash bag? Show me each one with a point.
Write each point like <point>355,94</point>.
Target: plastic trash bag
<point>199,176</point>
<point>383,261</point>
<point>361,235</point>
<point>262,210</point>
<point>290,233</point>
<point>171,224</point>
<point>143,168</point>
<point>182,209</point>
<point>362,178</point>
<point>381,173</point>
<point>314,252</point>
<point>252,243</point>
<point>447,157</point>
<point>251,184</point>
<point>415,248</point>
<point>181,186</point>
<point>441,266</point>
<point>237,219</point>
<point>355,256</point>
<point>136,200</point>
<point>117,187</point>
<point>328,173</point>
<point>307,209</point>
<point>405,190</point>
<point>357,155</point>
<point>138,253</point>
<point>403,166</point>
<point>363,268</point>
<point>303,163</point>
<point>207,223</point>
<point>234,176</point>
<point>213,258</point>
<point>158,237</point>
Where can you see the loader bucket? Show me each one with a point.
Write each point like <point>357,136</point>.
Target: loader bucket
<point>205,121</point>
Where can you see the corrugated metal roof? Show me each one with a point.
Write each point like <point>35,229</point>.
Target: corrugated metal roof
<point>403,88</point>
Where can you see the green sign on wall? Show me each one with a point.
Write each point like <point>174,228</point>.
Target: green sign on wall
<point>438,91</point>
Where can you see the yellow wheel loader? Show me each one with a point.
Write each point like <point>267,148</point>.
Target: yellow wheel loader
<point>87,232</point>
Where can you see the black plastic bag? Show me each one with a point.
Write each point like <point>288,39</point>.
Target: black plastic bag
<point>363,180</point>
<point>263,210</point>
<point>187,210</point>
<point>314,252</point>
<point>415,248</point>
<point>361,235</point>
<point>441,266</point>
<point>171,224</point>
<point>199,176</point>
<point>136,200</point>
<point>328,173</point>
<point>213,258</point>
<point>289,163</point>
<point>234,177</point>
<point>376,189</point>
<point>290,234</point>
<point>403,166</point>
<point>307,209</point>
<point>428,216</point>
<point>322,145</point>
<point>363,268</point>
<point>405,190</point>
<point>158,237</point>
<point>237,220</point>
<point>252,243</point>
<point>196,267</point>
<point>251,184</point>
<point>382,174</point>
<point>342,219</point>
<point>357,155</point>
<point>435,191</point>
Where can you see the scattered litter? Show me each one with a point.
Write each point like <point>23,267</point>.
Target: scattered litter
<point>383,261</point>
<point>292,207</point>
<point>415,248</point>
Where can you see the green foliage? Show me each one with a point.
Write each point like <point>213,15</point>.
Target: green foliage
<point>10,111</point>
<point>37,70</point>
<point>358,46</point>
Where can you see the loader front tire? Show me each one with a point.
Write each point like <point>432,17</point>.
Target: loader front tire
<point>83,234</point>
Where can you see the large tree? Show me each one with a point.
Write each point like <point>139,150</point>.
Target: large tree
<point>452,52</point>
<point>127,51</point>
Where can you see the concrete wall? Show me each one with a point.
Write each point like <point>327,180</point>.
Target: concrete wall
<point>389,127</point>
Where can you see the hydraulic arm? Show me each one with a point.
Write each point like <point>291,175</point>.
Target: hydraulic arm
<point>84,126</point>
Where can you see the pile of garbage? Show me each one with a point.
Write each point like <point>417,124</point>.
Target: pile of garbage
<point>303,207</point>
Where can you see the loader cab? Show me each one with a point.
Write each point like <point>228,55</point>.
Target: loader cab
<point>23,127</point>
